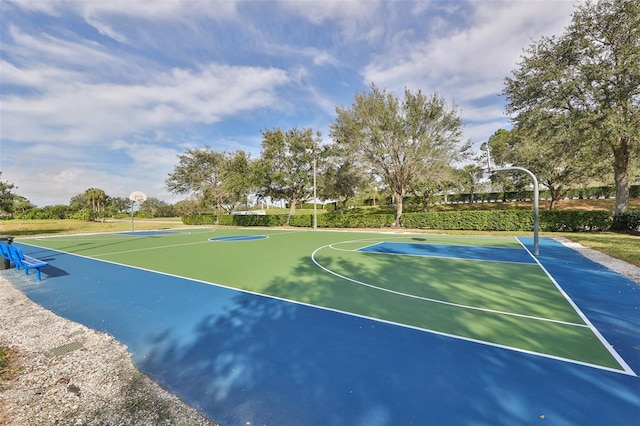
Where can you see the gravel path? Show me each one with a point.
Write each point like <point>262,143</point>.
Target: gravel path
<point>67,374</point>
<point>64,373</point>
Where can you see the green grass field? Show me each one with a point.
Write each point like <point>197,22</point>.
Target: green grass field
<point>513,305</point>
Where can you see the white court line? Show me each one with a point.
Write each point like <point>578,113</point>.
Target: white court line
<point>361,248</point>
<point>595,331</point>
<point>428,299</point>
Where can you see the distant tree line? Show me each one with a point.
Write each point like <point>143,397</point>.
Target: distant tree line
<point>92,204</point>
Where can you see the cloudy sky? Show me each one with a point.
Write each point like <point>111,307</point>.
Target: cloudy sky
<point>106,94</point>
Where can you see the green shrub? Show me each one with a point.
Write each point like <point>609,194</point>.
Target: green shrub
<point>355,220</point>
<point>199,219</point>
<point>143,214</point>
<point>303,220</point>
<point>257,220</point>
<point>83,214</point>
<point>575,220</point>
<point>339,220</point>
<point>48,212</point>
<point>481,220</point>
<point>236,220</point>
<point>628,221</point>
<point>468,220</point>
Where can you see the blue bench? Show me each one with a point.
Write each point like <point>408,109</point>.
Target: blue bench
<point>4,251</point>
<point>15,255</point>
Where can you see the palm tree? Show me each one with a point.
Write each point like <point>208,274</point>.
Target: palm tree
<point>96,197</point>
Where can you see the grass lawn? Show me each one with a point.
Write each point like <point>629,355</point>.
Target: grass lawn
<point>26,228</point>
<point>621,246</point>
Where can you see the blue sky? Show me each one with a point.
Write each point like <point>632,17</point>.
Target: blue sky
<point>106,94</point>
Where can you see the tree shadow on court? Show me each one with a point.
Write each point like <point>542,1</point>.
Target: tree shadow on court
<point>266,361</point>
<point>82,247</point>
<point>404,276</point>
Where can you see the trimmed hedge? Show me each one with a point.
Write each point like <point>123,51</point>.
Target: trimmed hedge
<point>593,192</point>
<point>348,220</point>
<point>236,220</point>
<point>482,220</point>
<point>575,220</point>
<point>629,221</point>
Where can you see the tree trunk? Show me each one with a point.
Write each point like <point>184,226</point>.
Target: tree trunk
<point>218,209</point>
<point>556,193</point>
<point>399,200</point>
<point>621,166</point>
<point>292,208</point>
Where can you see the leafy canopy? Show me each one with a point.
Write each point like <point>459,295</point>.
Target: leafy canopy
<point>588,81</point>
<point>400,140</point>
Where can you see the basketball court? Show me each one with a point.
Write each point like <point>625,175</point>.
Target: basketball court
<point>272,326</point>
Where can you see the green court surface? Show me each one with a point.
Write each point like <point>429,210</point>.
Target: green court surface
<point>485,289</point>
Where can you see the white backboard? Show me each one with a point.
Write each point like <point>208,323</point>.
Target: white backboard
<point>137,196</point>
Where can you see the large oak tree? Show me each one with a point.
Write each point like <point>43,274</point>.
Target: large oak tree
<point>285,168</point>
<point>588,78</point>
<point>400,139</point>
<point>200,173</point>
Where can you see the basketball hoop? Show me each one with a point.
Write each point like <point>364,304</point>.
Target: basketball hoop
<point>136,197</point>
<point>534,180</point>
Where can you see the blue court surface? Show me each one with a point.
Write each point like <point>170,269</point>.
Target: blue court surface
<point>495,254</point>
<point>248,359</point>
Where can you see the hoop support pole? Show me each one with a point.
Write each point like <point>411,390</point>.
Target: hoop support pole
<point>536,200</point>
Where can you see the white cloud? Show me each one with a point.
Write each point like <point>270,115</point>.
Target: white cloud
<point>44,48</point>
<point>480,132</point>
<point>480,55</point>
<point>146,9</point>
<point>476,113</point>
<point>146,157</point>
<point>331,10</point>
<point>91,113</point>
<point>114,18</point>
<point>468,64</point>
<point>160,10</point>
<point>357,19</point>
<point>55,184</point>
<point>107,16</point>
<point>118,170</point>
<point>47,7</point>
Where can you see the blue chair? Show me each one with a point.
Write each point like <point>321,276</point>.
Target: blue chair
<point>4,251</point>
<point>27,262</point>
